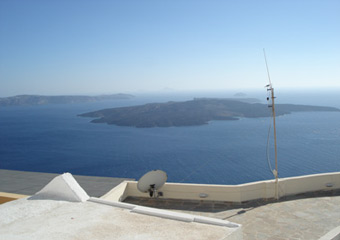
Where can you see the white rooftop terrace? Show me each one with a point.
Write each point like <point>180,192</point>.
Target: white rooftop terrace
<point>50,219</point>
<point>63,210</point>
<point>309,208</point>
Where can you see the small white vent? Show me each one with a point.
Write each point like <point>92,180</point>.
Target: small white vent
<point>203,195</point>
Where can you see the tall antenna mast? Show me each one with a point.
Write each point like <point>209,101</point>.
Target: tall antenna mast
<point>271,89</point>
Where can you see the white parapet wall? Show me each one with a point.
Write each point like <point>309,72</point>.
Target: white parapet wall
<point>233,193</point>
<point>119,193</point>
<point>309,183</point>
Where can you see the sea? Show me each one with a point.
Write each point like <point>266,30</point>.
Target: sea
<point>54,139</point>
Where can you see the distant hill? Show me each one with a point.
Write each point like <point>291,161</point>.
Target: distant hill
<point>195,112</point>
<point>42,100</point>
<point>246,100</point>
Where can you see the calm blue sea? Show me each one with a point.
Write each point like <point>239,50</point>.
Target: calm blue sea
<point>52,138</point>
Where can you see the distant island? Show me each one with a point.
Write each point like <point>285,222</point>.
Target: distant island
<point>21,100</point>
<point>190,113</point>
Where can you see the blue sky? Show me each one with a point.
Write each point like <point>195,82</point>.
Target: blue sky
<point>95,47</point>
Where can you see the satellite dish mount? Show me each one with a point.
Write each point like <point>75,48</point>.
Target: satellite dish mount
<point>152,191</point>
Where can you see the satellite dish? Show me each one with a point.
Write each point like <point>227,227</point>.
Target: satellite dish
<point>152,181</point>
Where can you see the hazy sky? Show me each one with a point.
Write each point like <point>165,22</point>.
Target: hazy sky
<point>93,47</point>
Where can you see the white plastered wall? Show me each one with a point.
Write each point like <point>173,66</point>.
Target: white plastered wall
<point>234,193</point>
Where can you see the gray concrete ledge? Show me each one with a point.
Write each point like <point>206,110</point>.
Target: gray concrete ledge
<point>28,183</point>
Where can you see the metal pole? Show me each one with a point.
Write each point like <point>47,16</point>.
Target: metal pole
<point>275,145</point>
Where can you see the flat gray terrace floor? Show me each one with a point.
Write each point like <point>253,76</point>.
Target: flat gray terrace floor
<point>308,216</point>
<point>28,183</point>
